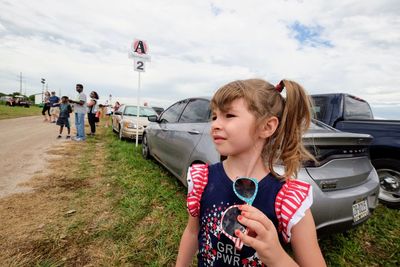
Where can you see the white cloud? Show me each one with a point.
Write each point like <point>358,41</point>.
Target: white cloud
<point>197,46</point>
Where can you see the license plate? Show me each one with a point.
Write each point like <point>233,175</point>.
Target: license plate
<point>360,210</point>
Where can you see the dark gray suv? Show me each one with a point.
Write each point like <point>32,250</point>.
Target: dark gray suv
<point>345,184</point>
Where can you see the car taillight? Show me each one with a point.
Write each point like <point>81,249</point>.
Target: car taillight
<point>324,154</point>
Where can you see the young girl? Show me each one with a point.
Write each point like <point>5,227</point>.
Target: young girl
<point>243,200</point>
<point>63,119</point>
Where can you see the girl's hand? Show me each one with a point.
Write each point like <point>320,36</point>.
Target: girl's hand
<point>262,236</point>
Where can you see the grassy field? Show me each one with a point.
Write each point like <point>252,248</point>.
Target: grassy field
<point>7,112</point>
<point>107,206</point>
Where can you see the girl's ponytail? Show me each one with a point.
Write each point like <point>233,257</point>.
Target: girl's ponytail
<point>295,119</point>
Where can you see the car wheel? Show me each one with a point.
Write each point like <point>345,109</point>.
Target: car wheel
<point>389,178</point>
<point>121,137</point>
<point>145,148</point>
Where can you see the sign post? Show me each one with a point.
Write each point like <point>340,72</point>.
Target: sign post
<point>140,55</point>
<point>43,81</point>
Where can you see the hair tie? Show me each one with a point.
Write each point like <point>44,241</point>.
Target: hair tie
<point>280,86</point>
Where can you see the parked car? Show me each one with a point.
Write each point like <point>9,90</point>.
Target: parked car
<point>20,101</point>
<point>345,184</point>
<point>124,121</point>
<point>353,114</point>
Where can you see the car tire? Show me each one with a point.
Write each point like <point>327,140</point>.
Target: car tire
<point>389,178</point>
<point>145,148</point>
<point>121,137</point>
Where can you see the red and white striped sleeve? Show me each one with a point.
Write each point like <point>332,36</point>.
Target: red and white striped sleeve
<point>197,178</point>
<point>291,203</point>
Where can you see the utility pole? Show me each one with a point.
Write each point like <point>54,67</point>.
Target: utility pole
<point>20,83</point>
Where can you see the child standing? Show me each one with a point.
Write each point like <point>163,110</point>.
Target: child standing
<point>242,200</point>
<point>63,119</point>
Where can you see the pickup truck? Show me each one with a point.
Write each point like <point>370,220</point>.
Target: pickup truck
<point>352,114</point>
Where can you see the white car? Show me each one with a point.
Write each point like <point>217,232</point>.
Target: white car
<point>126,123</point>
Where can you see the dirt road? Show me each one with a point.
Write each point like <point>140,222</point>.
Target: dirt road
<point>23,145</point>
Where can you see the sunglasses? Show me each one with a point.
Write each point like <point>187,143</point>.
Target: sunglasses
<point>245,189</point>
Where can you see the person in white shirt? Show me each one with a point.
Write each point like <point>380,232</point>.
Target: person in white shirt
<point>80,111</point>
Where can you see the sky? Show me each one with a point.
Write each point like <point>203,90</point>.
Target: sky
<point>198,46</point>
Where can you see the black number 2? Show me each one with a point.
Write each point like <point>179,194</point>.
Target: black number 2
<point>140,65</point>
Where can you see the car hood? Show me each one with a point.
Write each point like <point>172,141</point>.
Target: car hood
<point>142,120</point>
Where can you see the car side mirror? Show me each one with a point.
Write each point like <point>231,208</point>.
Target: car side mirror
<point>153,118</point>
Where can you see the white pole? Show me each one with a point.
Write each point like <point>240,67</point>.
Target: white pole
<point>20,83</point>
<point>43,93</point>
<point>137,113</point>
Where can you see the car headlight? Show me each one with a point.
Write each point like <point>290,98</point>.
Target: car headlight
<point>132,125</point>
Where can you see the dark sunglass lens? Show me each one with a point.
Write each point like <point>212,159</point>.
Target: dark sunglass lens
<point>245,187</point>
<point>230,222</point>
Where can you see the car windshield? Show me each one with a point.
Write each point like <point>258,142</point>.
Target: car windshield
<point>143,111</point>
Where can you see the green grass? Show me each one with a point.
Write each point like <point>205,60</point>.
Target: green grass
<point>151,206</point>
<point>7,112</point>
<point>132,212</point>
<point>375,243</point>
<point>152,216</point>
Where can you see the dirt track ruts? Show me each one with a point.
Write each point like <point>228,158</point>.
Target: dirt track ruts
<point>23,145</point>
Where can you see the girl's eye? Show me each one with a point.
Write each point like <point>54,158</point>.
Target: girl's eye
<point>230,115</point>
<point>213,118</point>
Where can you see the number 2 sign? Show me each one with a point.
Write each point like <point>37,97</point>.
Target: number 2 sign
<point>139,65</point>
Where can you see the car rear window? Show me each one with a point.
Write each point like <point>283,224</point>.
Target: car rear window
<point>356,109</point>
<point>319,107</point>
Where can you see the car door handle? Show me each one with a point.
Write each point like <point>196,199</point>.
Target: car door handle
<point>194,132</point>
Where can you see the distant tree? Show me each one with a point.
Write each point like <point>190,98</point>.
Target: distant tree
<point>2,94</point>
<point>32,98</point>
<point>15,93</point>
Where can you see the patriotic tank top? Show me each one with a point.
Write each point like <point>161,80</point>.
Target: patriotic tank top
<point>211,193</point>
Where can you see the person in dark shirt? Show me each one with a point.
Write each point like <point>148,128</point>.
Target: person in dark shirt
<point>241,209</point>
<point>63,120</point>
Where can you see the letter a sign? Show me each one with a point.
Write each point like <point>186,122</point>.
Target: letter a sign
<point>139,47</point>
<point>140,54</point>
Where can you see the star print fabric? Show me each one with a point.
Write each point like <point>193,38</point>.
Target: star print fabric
<point>215,249</point>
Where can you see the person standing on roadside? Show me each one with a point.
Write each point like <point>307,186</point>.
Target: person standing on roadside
<point>63,119</point>
<point>54,107</point>
<point>46,106</point>
<point>80,111</point>
<point>116,106</point>
<point>108,112</point>
<point>92,109</point>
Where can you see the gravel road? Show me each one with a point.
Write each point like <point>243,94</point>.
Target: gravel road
<point>23,145</point>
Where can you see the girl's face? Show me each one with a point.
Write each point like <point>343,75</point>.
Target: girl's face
<point>233,131</point>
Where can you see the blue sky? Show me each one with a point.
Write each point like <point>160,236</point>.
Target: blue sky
<point>197,46</point>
